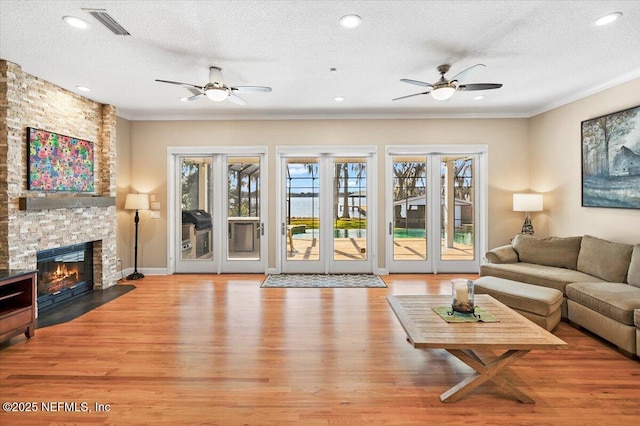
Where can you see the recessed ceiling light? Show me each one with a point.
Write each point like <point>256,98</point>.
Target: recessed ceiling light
<point>350,21</point>
<point>339,98</point>
<point>607,19</point>
<point>75,22</point>
<point>333,71</point>
<point>477,98</point>
<point>184,99</point>
<point>83,88</point>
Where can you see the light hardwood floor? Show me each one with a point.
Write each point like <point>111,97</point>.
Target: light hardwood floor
<point>218,349</point>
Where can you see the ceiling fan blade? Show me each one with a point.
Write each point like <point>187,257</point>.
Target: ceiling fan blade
<point>409,96</point>
<point>215,75</point>
<point>455,77</point>
<point>236,99</point>
<point>187,85</point>
<point>479,86</point>
<point>195,91</point>
<point>194,97</point>
<point>251,89</point>
<point>416,82</point>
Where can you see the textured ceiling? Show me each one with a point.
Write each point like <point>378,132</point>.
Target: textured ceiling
<point>545,53</point>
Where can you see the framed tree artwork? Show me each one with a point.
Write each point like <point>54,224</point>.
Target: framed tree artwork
<point>611,160</point>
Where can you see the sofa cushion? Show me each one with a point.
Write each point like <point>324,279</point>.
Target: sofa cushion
<point>633,277</point>
<point>614,300</point>
<point>604,259</point>
<point>525,297</point>
<point>561,252</point>
<point>502,254</point>
<point>530,273</point>
<point>636,317</point>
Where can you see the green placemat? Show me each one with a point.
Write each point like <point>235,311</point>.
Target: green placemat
<point>458,317</point>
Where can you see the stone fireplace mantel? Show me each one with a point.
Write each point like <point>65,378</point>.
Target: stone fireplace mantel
<point>48,203</point>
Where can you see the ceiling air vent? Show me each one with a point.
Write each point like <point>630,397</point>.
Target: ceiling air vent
<point>105,19</point>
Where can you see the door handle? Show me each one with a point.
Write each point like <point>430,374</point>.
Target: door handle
<point>390,228</point>
<point>283,228</point>
<point>262,228</point>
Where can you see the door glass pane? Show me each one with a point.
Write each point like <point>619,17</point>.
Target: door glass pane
<point>349,209</point>
<point>243,207</point>
<point>302,209</point>
<point>457,226</point>
<point>409,208</point>
<point>196,206</point>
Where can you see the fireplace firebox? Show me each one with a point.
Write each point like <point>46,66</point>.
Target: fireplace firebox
<point>64,273</point>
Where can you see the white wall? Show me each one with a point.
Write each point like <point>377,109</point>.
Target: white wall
<point>540,154</point>
<point>508,160</point>
<point>555,162</point>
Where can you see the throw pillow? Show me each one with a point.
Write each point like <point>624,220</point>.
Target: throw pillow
<point>502,254</point>
<point>561,252</point>
<point>604,259</point>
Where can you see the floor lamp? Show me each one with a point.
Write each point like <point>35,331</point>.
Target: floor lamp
<point>527,203</point>
<point>136,202</point>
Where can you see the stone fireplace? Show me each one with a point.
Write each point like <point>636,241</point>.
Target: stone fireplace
<point>34,221</point>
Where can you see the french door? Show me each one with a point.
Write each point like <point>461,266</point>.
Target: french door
<point>217,220</point>
<point>326,225</point>
<point>436,217</point>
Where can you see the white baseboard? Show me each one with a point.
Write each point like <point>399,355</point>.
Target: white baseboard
<point>145,271</point>
<point>155,271</point>
<point>123,274</point>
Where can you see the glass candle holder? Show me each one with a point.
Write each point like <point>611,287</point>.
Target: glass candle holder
<point>462,296</point>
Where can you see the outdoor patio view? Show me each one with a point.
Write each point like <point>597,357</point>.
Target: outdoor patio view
<point>457,227</point>
<point>348,204</point>
<point>411,208</point>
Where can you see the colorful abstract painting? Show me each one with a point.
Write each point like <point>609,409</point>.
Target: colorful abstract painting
<point>59,163</point>
<point>611,160</point>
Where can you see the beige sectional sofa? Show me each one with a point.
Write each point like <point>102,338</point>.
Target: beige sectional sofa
<point>636,320</point>
<point>599,280</point>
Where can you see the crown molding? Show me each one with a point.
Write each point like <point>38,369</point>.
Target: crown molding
<point>587,92</point>
<point>169,117</point>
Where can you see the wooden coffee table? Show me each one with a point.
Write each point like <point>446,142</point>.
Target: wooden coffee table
<point>514,335</point>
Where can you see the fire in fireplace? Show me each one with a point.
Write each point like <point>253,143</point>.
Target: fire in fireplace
<point>64,273</point>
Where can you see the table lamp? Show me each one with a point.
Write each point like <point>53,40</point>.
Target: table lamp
<point>527,203</point>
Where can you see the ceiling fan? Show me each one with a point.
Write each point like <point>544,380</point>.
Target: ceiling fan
<point>443,89</point>
<point>217,90</point>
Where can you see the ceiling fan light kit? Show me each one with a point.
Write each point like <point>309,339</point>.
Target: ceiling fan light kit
<point>443,93</point>
<point>444,89</point>
<point>216,90</point>
<point>216,94</point>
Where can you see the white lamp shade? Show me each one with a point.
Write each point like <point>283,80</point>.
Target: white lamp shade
<point>137,202</point>
<point>527,202</point>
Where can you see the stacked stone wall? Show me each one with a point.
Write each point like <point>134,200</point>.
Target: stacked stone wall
<point>28,101</point>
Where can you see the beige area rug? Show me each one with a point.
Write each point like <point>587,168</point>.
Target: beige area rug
<point>323,281</point>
